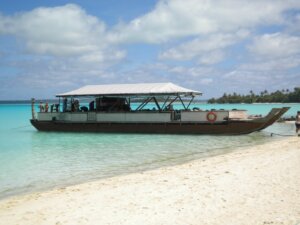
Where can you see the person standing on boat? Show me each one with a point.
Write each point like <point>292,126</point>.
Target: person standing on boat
<point>41,107</point>
<point>65,102</point>
<point>46,107</point>
<point>92,106</point>
<point>76,105</point>
<point>297,122</point>
<point>51,108</point>
<point>57,107</point>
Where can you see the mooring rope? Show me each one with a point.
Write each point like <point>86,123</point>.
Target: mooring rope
<point>283,135</point>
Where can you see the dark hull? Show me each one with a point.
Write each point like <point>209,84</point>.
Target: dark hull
<point>234,127</point>
<point>229,128</point>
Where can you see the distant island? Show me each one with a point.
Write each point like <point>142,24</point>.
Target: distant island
<point>283,96</point>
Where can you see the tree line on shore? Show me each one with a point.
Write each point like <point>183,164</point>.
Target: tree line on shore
<point>280,96</point>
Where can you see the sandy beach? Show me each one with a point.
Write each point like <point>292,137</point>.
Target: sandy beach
<point>253,185</point>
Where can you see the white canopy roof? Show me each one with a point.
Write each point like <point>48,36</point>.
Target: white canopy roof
<point>143,89</point>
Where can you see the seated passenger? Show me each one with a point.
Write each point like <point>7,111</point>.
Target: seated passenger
<point>169,108</point>
<point>126,108</point>
<point>84,109</point>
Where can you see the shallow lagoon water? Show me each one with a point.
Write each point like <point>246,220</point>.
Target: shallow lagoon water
<point>32,160</point>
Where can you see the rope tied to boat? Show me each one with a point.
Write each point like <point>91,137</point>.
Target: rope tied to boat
<point>283,135</point>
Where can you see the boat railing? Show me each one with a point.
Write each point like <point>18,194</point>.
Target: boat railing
<point>205,116</point>
<point>138,116</point>
<point>105,116</point>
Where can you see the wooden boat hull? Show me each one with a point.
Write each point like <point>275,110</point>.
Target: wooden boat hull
<point>230,127</point>
<point>158,128</point>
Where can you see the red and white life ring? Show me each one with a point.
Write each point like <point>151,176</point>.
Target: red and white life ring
<point>211,117</point>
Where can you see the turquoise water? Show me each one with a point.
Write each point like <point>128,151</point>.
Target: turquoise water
<point>253,109</point>
<point>32,160</point>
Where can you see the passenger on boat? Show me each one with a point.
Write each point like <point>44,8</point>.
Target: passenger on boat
<point>65,103</point>
<point>72,105</point>
<point>41,107</point>
<point>56,107</point>
<point>51,107</point>
<point>84,109</point>
<point>76,105</point>
<point>92,106</point>
<point>46,107</point>
<point>169,108</point>
<point>126,108</point>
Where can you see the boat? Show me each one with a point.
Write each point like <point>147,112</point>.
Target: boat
<point>143,108</point>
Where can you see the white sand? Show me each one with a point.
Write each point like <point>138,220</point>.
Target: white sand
<point>257,185</point>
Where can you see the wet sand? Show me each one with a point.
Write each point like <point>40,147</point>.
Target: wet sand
<point>253,185</point>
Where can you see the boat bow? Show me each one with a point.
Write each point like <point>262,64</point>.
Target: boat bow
<point>272,117</point>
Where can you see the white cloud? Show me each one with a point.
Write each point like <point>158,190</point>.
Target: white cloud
<point>281,64</point>
<point>206,81</point>
<point>98,56</point>
<point>60,31</point>
<point>68,30</point>
<point>198,46</point>
<point>190,72</point>
<point>208,49</point>
<point>212,58</point>
<point>173,19</point>
<point>69,47</point>
<point>240,80</point>
<point>293,22</point>
<point>276,45</point>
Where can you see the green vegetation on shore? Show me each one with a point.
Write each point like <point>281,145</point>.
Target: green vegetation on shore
<point>283,96</point>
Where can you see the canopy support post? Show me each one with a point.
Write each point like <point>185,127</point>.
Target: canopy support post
<point>190,101</point>
<point>165,102</point>
<point>172,101</point>
<point>58,105</point>
<point>145,102</point>
<point>182,102</point>
<point>127,101</point>
<point>155,100</point>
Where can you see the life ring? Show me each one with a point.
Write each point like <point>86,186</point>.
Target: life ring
<point>211,117</point>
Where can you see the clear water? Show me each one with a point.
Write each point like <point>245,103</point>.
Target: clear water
<point>253,109</point>
<point>32,160</point>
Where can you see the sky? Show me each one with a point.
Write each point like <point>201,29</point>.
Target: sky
<point>214,46</point>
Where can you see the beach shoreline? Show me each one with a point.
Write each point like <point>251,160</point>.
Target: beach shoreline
<point>251,185</point>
